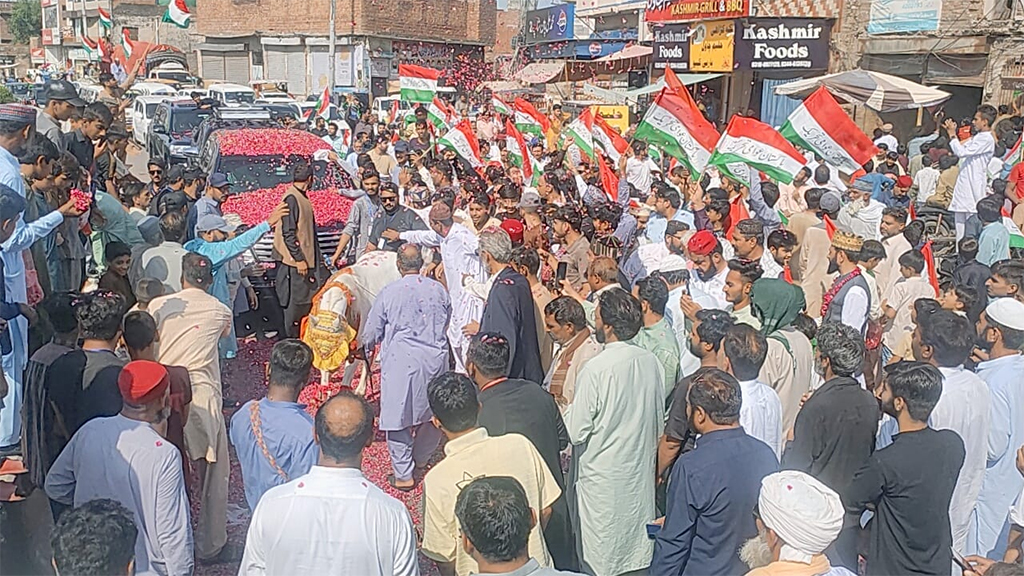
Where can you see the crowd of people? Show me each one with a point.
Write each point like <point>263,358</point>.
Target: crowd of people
<point>654,372</point>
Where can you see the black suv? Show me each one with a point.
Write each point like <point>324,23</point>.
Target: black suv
<point>171,133</point>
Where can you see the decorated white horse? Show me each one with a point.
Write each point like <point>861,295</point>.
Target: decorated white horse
<point>332,326</point>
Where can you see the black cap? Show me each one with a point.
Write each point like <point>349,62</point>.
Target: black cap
<point>171,201</point>
<point>175,173</point>
<point>158,162</point>
<point>65,91</point>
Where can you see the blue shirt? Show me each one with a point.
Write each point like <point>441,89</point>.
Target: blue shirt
<point>203,206</point>
<point>711,496</point>
<point>993,244</point>
<point>220,252</point>
<point>880,184</point>
<point>288,435</point>
<point>657,224</point>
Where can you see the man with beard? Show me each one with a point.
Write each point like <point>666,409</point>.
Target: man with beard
<point>615,421</point>
<point>863,214</point>
<point>656,336</point>
<point>834,432</point>
<point>389,223</point>
<point>674,273</point>
<point>738,282</point>
<point>360,219</point>
<point>705,252</point>
<point>909,484</point>
<point>894,220</point>
<point>797,517</point>
<point>566,323</point>
<point>712,488</point>
<point>574,245</point>
<point>704,342</point>
<point>849,299</point>
<point>781,245</point>
<point>748,243</point>
<point>1000,340</point>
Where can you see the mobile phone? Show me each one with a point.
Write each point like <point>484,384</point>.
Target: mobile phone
<point>961,561</point>
<point>563,267</point>
<point>652,530</point>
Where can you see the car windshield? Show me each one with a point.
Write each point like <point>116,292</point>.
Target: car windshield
<point>151,109</point>
<point>247,173</point>
<point>176,76</point>
<point>239,97</point>
<point>187,119</point>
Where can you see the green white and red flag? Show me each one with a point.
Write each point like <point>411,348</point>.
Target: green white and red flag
<point>178,13</point>
<point>580,131</point>
<point>1016,236</point>
<point>608,139</point>
<point>518,153</point>
<point>127,44</point>
<point>439,114</point>
<point>417,83</point>
<point>92,48</point>
<point>760,147</point>
<point>819,124</point>
<point>529,120</point>
<point>462,139</point>
<point>675,125</point>
<point>500,107</point>
<point>393,113</point>
<point>322,106</point>
<point>105,20</point>
<point>1014,156</point>
<point>673,82</point>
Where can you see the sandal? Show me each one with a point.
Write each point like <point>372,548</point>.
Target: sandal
<point>391,481</point>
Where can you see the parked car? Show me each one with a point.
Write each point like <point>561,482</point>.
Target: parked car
<point>281,108</point>
<point>382,107</point>
<point>142,113</point>
<point>232,95</point>
<point>174,124</point>
<point>152,89</point>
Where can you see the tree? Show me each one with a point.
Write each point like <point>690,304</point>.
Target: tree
<point>26,20</point>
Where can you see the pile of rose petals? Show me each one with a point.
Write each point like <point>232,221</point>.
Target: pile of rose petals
<point>268,142</point>
<point>81,199</point>
<point>330,208</point>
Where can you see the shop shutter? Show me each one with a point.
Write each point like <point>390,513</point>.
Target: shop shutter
<point>236,67</point>
<point>213,66</point>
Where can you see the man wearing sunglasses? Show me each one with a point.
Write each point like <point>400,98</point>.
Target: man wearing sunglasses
<point>157,185</point>
<point>392,221</point>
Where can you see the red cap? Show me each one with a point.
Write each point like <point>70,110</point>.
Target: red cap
<point>904,181</point>
<point>514,229</point>
<point>702,243</point>
<point>142,381</point>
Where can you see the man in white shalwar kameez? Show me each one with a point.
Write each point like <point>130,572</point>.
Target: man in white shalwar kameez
<point>460,259</point>
<point>615,422</point>
<point>975,154</point>
<point>17,125</point>
<point>125,458</point>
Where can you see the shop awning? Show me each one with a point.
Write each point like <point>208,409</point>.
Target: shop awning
<point>880,92</point>
<point>631,96</point>
<point>632,51</point>
<point>540,72</point>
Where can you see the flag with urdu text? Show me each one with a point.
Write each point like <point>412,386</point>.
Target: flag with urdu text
<point>178,13</point>
<point>126,44</point>
<point>518,153</point>
<point>580,131</point>
<point>819,124</point>
<point>608,139</point>
<point>105,20</point>
<point>417,83</point>
<point>760,147</point>
<point>500,107</point>
<point>675,125</point>
<point>529,120</point>
<point>439,114</point>
<point>462,139</point>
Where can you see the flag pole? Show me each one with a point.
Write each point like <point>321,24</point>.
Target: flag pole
<point>332,39</point>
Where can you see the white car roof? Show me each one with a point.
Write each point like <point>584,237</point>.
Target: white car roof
<point>228,87</point>
<point>154,98</point>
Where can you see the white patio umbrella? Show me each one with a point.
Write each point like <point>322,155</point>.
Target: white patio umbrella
<point>880,92</point>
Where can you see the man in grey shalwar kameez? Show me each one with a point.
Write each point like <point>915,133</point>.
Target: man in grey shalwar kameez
<point>409,319</point>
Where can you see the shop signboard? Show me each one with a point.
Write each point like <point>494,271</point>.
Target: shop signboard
<point>711,46</point>
<point>551,24</point>
<point>782,44</point>
<point>888,16</point>
<point>695,10</point>
<point>671,47</point>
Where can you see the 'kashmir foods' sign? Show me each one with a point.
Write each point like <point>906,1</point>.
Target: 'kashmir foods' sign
<point>782,44</point>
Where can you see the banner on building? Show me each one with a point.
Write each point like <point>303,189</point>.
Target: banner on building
<point>711,46</point>
<point>694,10</point>
<point>782,44</point>
<point>888,16</point>
<point>671,47</point>
<point>552,24</point>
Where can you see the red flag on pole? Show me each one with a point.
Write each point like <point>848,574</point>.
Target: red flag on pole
<point>672,81</point>
<point>609,181</point>
<point>737,211</point>
<point>929,260</point>
<point>830,226</point>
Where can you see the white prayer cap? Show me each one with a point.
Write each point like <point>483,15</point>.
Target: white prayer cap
<point>672,263</point>
<point>805,513</point>
<point>1008,312</point>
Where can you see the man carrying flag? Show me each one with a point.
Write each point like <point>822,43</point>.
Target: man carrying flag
<point>462,140</point>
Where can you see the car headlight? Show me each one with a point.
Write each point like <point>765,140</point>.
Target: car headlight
<point>180,149</point>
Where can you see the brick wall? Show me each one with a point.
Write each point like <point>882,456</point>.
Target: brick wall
<point>437,20</point>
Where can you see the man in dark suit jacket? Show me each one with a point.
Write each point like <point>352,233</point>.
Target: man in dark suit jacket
<point>515,406</point>
<point>509,307</point>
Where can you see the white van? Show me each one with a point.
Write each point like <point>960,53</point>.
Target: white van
<point>232,95</point>
<point>151,89</point>
<point>142,116</point>
<point>382,108</point>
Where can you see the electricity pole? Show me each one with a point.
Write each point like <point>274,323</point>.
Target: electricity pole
<point>331,45</point>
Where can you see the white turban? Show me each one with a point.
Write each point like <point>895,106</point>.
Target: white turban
<point>805,513</point>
